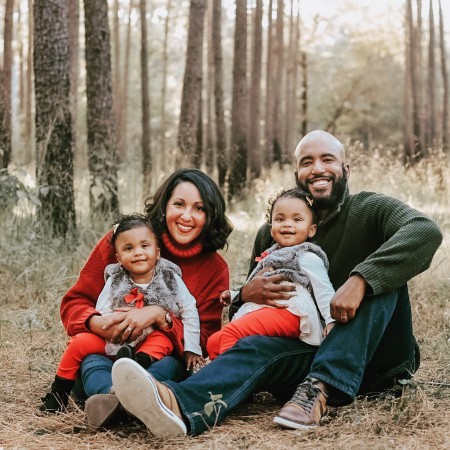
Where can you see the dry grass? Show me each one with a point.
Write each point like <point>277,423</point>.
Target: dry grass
<point>34,275</point>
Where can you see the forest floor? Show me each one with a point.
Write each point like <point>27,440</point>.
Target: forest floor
<point>34,275</point>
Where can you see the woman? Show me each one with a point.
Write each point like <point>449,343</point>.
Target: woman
<point>188,211</point>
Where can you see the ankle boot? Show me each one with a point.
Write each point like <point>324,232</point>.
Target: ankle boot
<point>58,397</point>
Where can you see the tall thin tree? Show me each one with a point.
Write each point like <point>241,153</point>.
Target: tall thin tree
<point>238,139</point>
<point>54,159</point>
<point>268,135</point>
<point>145,102</point>
<point>255,93</point>
<point>221,139</point>
<point>74,23</point>
<point>30,92</point>
<point>209,148</point>
<point>431,85</point>
<point>5,88</point>
<point>279,151</point>
<point>445,96</point>
<point>187,130</point>
<point>102,151</point>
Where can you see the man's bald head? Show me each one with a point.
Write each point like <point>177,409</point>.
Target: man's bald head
<point>319,137</point>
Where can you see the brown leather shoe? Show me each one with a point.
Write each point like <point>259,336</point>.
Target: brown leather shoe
<point>305,409</point>
<point>147,399</point>
<point>102,410</point>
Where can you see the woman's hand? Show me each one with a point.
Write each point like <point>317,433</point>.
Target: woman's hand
<point>135,320</point>
<point>105,326</point>
<point>267,290</point>
<point>193,361</point>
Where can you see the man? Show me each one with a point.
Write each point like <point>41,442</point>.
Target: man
<point>375,245</point>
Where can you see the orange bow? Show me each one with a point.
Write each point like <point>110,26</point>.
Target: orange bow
<point>263,255</point>
<point>135,296</point>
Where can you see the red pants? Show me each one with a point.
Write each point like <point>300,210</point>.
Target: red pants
<point>156,344</point>
<point>263,322</point>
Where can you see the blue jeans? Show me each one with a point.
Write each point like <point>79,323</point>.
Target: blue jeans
<point>367,354</point>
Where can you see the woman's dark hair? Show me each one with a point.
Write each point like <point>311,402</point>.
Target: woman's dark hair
<point>125,222</point>
<point>217,228</point>
<point>292,193</point>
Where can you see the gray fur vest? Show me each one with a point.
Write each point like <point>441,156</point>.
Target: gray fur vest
<point>285,261</point>
<point>162,290</point>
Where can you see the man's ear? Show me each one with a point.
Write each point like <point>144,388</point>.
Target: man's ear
<point>312,230</point>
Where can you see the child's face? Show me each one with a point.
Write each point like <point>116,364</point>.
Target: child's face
<point>292,222</point>
<point>137,251</point>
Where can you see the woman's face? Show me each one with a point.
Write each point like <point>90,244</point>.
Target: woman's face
<point>185,214</point>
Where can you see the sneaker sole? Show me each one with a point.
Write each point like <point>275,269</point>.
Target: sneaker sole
<point>292,425</point>
<point>137,392</point>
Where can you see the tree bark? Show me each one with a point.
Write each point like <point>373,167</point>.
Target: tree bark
<point>73,27</point>
<point>279,151</point>
<point>221,139</point>
<point>102,152</point>
<point>162,131</point>
<point>238,141</point>
<point>187,130</point>
<point>445,115</point>
<point>30,91</point>
<point>117,82</point>
<point>431,100</point>
<point>210,147</point>
<point>54,159</point>
<point>255,93</point>
<point>145,102</point>
<point>5,88</point>
<point>268,159</point>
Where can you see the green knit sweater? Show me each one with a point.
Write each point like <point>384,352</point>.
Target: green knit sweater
<point>379,237</point>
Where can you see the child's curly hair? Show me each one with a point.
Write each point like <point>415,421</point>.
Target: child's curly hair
<point>125,222</point>
<point>292,193</point>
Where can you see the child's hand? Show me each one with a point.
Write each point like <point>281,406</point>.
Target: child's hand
<point>193,361</point>
<point>225,298</point>
<point>328,328</point>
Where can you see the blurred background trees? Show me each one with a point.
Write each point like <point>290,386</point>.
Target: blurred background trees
<point>229,86</point>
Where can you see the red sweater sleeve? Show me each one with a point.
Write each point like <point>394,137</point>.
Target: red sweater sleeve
<point>78,304</point>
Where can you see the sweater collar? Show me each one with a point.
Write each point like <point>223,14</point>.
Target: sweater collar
<point>181,252</point>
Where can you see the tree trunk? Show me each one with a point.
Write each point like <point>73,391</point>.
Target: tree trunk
<point>221,139</point>
<point>431,101</point>
<point>126,75</point>
<point>102,152</point>
<point>408,138</point>
<point>289,95</point>
<point>419,83</point>
<point>255,94</point>
<point>54,159</point>
<point>30,92</point>
<point>269,93</point>
<point>209,150</point>
<point>145,102</point>
<point>187,130</point>
<point>445,116</point>
<point>73,24</point>
<point>5,88</point>
<point>162,131</point>
<point>117,82</point>
<point>304,96</point>
<point>238,141</point>
<point>279,151</point>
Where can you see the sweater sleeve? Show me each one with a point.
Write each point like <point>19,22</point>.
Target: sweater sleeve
<point>409,241</point>
<point>78,304</point>
<point>323,290</point>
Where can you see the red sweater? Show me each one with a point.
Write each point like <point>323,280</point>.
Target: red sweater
<point>205,275</point>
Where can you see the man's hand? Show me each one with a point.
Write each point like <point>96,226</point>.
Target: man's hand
<point>348,298</point>
<point>266,290</point>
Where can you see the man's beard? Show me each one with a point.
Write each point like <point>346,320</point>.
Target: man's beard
<point>338,189</point>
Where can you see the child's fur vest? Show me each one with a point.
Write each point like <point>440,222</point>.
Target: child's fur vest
<point>285,261</point>
<point>162,290</point>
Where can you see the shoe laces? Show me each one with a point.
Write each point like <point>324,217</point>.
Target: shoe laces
<point>306,394</point>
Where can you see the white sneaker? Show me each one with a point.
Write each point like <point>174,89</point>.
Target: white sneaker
<point>150,401</point>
